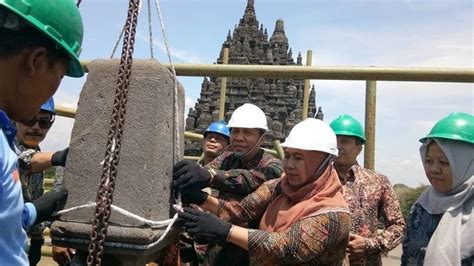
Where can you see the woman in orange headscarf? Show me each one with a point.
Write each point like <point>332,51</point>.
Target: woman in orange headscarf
<point>303,216</point>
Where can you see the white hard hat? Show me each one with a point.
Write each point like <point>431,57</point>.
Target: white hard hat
<point>248,116</point>
<point>312,135</point>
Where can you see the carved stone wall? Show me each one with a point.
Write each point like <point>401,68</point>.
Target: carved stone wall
<point>280,99</point>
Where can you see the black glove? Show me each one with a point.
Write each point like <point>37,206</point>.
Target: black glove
<point>194,196</point>
<point>187,174</point>
<point>49,203</point>
<point>204,225</point>
<point>34,253</point>
<point>59,158</point>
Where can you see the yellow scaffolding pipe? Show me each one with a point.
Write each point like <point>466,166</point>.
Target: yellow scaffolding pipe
<point>279,149</point>
<point>325,73</point>
<point>65,111</point>
<point>223,86</point>
<point>370,107</point>
<point>309,60</point>
<point>69,112</point>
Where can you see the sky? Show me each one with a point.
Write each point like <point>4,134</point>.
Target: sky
<point>380,33</point>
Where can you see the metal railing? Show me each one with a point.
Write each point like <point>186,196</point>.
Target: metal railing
<point>71,113</point>
<point>370,74</point>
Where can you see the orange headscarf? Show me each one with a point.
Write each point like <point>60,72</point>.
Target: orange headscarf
<point>318,194</point>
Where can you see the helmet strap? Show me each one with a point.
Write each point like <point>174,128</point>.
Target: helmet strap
<point>322,167</point>
<point>241,156</point>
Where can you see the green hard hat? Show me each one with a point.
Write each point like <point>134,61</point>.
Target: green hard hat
<point>348,126</point>
<point>455,126</point>
<point>60,20</point>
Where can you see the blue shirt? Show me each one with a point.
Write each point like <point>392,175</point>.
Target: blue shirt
<point>15,216</point>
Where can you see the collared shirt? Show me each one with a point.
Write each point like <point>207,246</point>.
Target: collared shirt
<point>14,214</point>
<point>319,239</point>
<point>235,180</point>
<point>370,196</point>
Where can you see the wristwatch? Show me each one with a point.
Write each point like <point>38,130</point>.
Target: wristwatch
<point>213,174</point>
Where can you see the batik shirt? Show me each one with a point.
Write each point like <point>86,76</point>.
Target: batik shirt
<point>319,239</point>
<point>31,183</point>
<point>236,180</point>
<point>421,226</point>
<point>370,197</point>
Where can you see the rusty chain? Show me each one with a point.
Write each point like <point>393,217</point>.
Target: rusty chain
<point>112,155</point>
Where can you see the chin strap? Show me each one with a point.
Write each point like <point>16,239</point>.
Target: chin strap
<point>322,167</point>
<point>251,149</point>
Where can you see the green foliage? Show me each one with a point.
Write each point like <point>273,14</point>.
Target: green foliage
<point>49,173</point>
<point>408,196</point>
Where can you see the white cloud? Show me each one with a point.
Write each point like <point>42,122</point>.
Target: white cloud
<point>183,56</point>
<point>425,125</point>
<point>59,135</point>
<point>188,103</point>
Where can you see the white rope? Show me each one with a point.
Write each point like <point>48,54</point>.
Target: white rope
<point>122,32</point>
<point>150,32</point>
<point>176,108</point>
<point>124,212</point>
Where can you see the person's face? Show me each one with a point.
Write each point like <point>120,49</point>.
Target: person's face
<point>243,139</point>
<point>32,135</point>
<point>214,144</point>
<point>38,81</point>
<point>437,169</point>
<point>299,167</point>
<point>348,151</point>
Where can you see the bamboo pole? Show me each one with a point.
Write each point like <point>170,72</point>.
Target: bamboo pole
<point>225,61</point>
<point>309,60</point>
<point>326,72</point>
<point>279,149</point>
<point>370,111</point>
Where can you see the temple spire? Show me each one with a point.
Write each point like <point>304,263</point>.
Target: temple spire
<point>250,18</point>
<point>279,36</point>
<point>250,4</point>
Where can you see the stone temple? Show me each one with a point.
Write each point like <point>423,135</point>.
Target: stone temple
<point>280,99</point>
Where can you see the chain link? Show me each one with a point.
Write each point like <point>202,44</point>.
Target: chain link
<point>112,155</point>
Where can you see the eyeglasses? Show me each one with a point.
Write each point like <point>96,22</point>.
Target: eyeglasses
<point>43,123</point>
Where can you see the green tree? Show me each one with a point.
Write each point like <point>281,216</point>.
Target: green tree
<point>408,196</point>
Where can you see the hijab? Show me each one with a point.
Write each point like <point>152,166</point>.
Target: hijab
<point>320,194</point>
<point>452,240</point>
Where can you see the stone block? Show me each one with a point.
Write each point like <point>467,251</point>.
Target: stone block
<point>142,186</point>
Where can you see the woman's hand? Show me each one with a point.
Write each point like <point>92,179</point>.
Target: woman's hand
<point>204,224</point>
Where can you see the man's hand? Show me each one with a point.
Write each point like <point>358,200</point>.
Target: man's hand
<point>59,158</point>
<point>187,175</point>
<point>63,255</point>
<point>204,225</point>
<point>49,203</point>
<point>356,246</point>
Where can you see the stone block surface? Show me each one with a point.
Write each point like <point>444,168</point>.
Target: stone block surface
<point>147,152</point>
